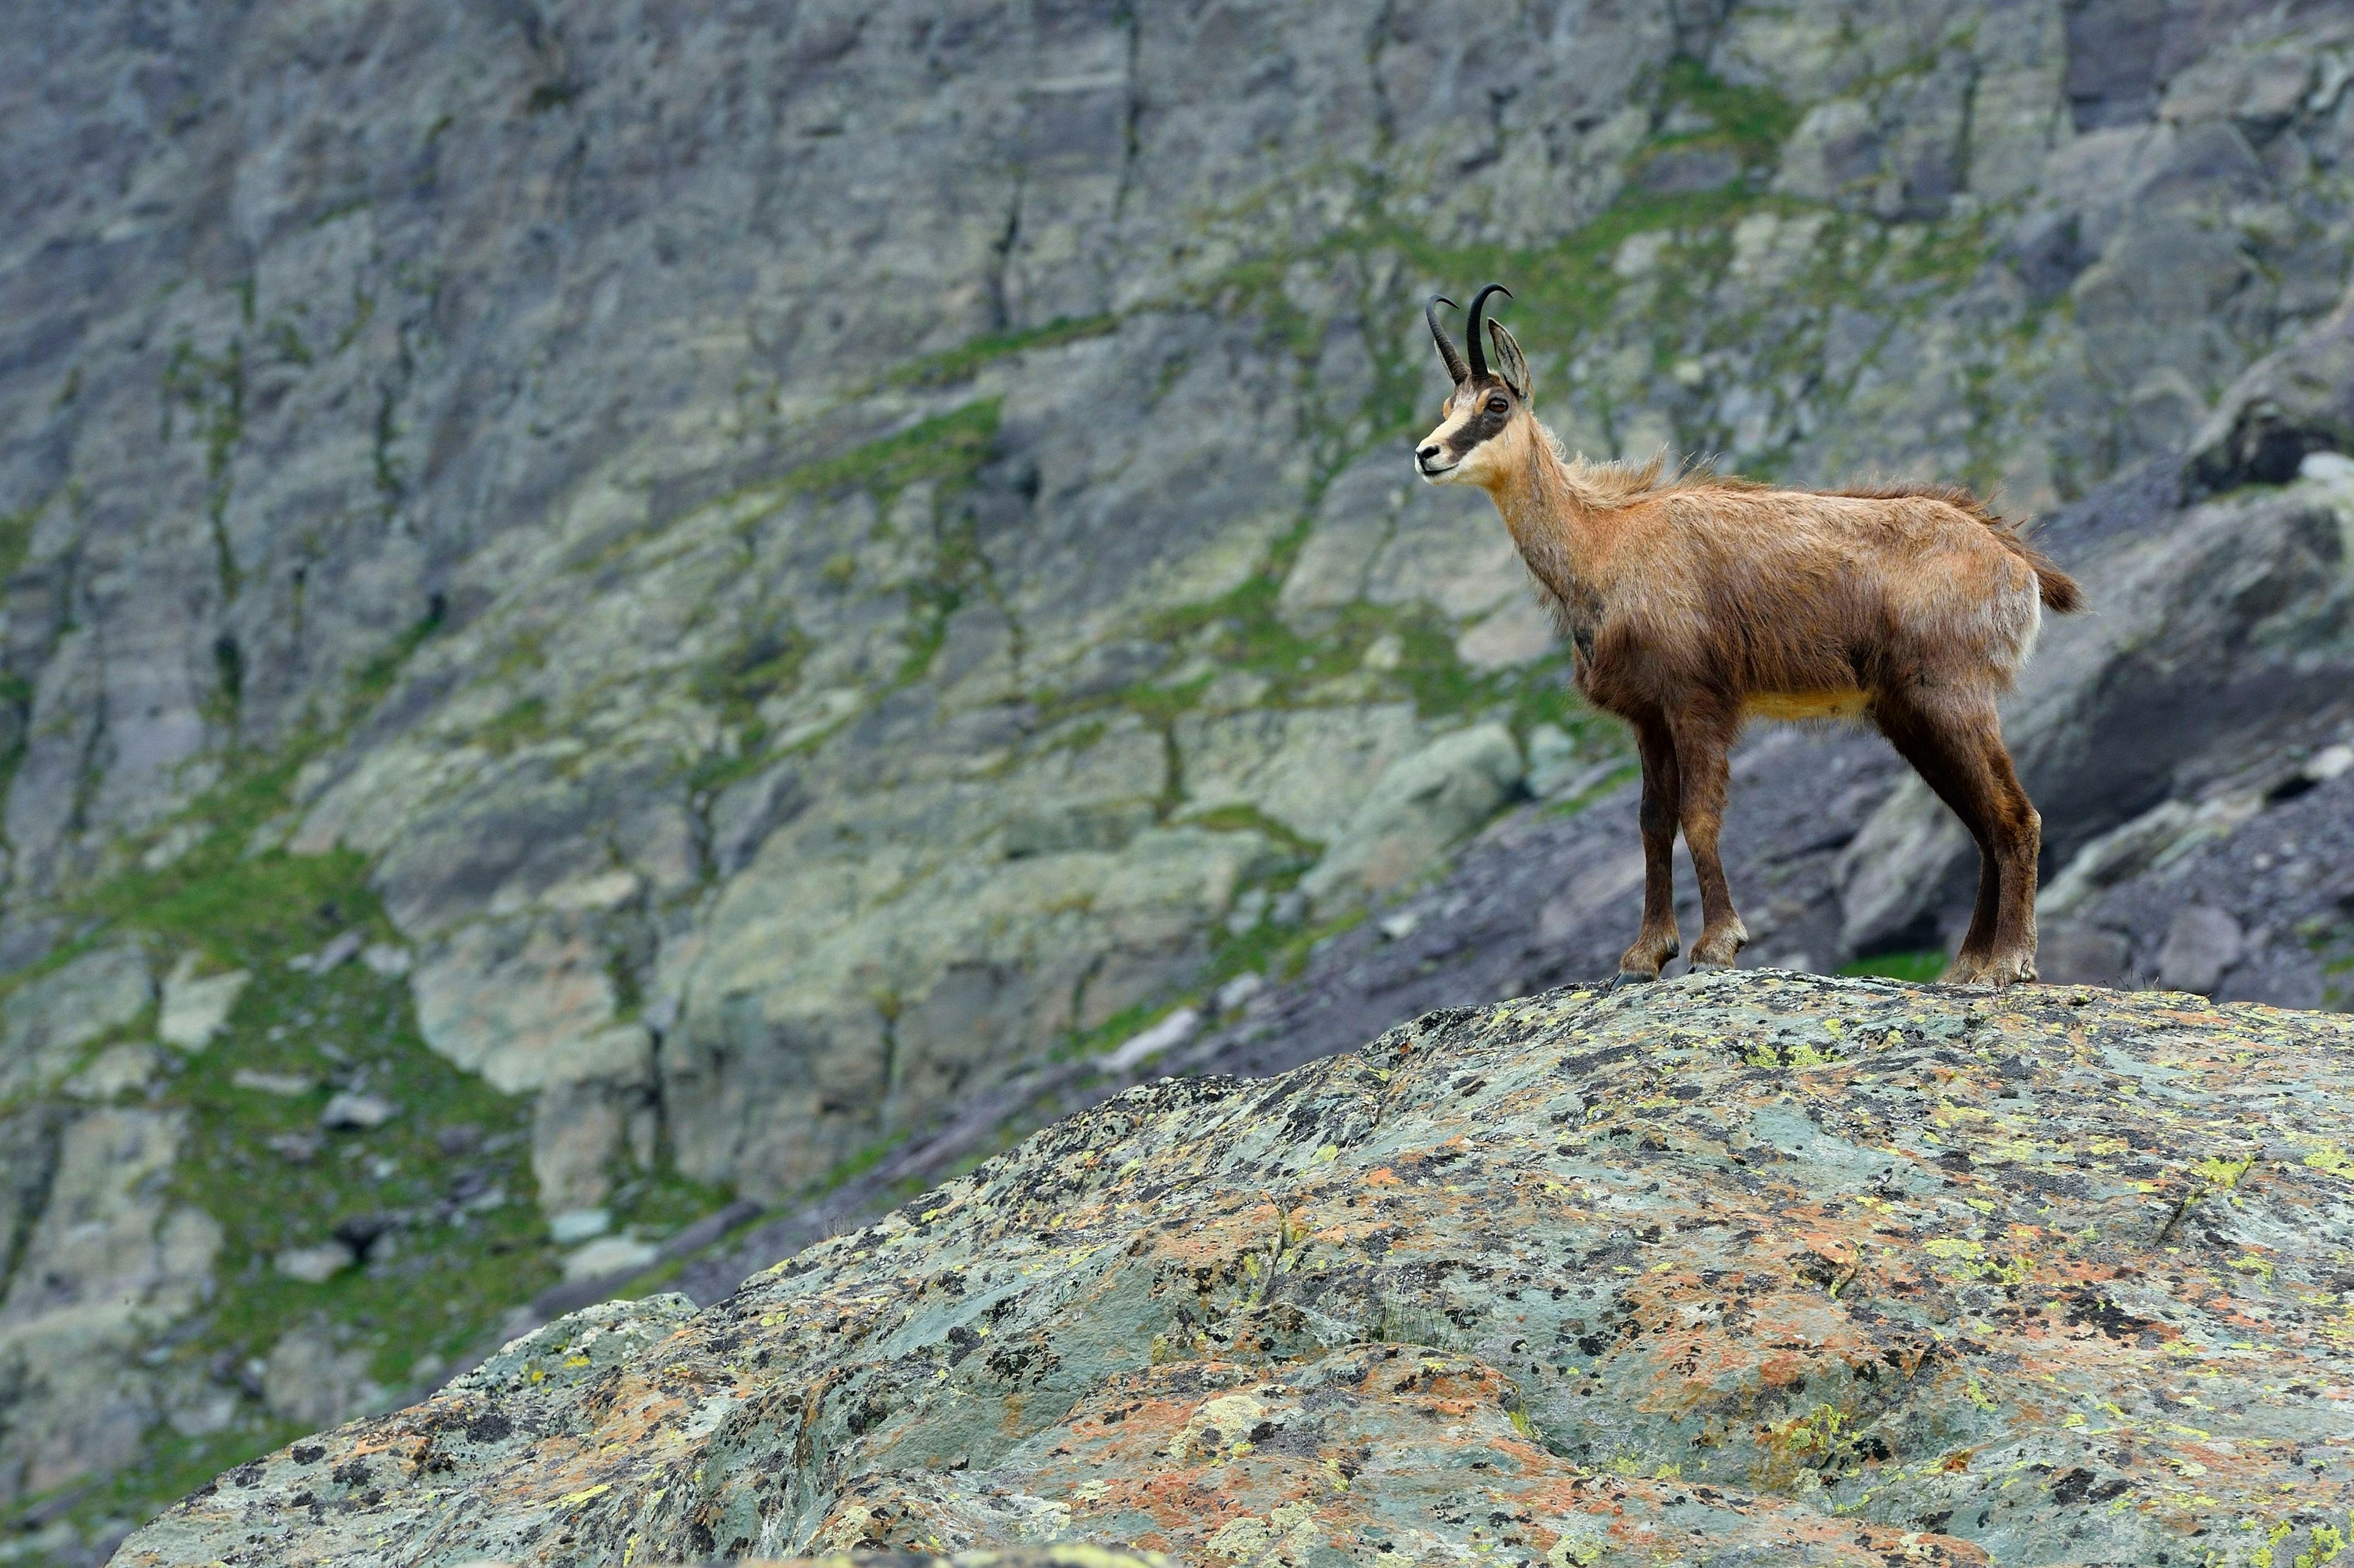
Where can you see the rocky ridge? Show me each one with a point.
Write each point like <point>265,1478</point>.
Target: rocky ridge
<point>1829,1271</point>
<point>753,581</point>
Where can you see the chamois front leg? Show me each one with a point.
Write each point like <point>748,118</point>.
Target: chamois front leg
<point>1704,730</point>
<point>1662,791</point>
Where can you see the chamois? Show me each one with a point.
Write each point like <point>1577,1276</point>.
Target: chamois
<point>1695,601</point>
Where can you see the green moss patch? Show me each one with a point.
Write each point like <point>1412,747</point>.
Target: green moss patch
<point>1920,967</point>
<point>945,448</point>
<point>1754,120</point>
<point>966,359</point>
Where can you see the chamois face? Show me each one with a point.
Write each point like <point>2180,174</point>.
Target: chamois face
<point>1480,428</point>
<point>1485,426</point>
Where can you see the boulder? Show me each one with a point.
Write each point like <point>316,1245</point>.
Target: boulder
<point>196,1006</point>
<point>112,1259</point>
<point>1912,860</point>
<point>2200,945</point>
<point>48,1021</point>
<point>2073,952</point>
<point>1817,1271</point>
<point>356,1111</point>
<point>1421,806</point>
<point>2291,402</point>
<point>312,1382</point>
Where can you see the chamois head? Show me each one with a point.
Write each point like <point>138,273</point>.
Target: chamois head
<point>1485,424</point>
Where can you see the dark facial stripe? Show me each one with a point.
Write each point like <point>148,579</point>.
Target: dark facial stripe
<point>1479,427</point>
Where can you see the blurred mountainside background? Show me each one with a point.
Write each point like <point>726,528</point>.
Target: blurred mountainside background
<point>611,611</point>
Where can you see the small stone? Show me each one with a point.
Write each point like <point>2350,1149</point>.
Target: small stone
<point>2331,762</point>
<point>296,1147</point>
<point>197,1008</point>
<point>316,1265</point>
<point>462,1138</point>
<point>1166,1035</point>
<point>1552,759</point>
<point>577,1346</point>
<point>336,952</point>
<point>364,1112</point>
<point>1238,991</point>
<point>387,960</point>
<point>611,1254</point>
<point>576,1225</point>
<point>1397,928</point>
<point>2073,953</point>
<point>2327,467</point>
<point>119,1069</point>
<point>289,1086</point>
<point>1639,254</point>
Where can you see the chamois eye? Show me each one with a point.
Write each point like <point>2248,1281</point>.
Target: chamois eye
<point>1498,406</point>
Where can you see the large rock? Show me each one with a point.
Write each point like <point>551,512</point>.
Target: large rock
<point>1815,1271</point>
<point>45,1023</point>
<point>2285,407</point>
<point>111,1261</point>
<point>1420,807</point>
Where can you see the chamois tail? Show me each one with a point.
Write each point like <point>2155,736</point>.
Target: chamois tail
<point>2059,592</point>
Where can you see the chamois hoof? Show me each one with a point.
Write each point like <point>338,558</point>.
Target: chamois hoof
<point>1717,949</point>
<point>1704,966</point>
<point>1632,978</point>
<point>2008,972</point>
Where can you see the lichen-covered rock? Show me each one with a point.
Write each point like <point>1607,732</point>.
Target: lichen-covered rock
<point>1753,1266</point>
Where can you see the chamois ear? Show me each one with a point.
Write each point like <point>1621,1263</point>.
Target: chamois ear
<point>1510,364</point>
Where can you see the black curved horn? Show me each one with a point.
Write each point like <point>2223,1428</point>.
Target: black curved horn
<point>1447,350</point>
<point>1479,302</point>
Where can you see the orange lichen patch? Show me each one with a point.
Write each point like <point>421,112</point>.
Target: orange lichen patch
<point>1366,1445</point>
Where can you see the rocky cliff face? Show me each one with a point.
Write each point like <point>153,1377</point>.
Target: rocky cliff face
<point>611,606</point>
<point>1761,1266</point>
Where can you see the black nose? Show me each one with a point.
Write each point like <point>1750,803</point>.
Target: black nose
<point>1427,453</point>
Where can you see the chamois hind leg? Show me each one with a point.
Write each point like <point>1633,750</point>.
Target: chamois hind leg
<point>1658,941</point>
<point>2019,837</point>
<point>1924,739</point>
<point>1705,733</point>
<point>1978,943</point>
<point>1955,744</point>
